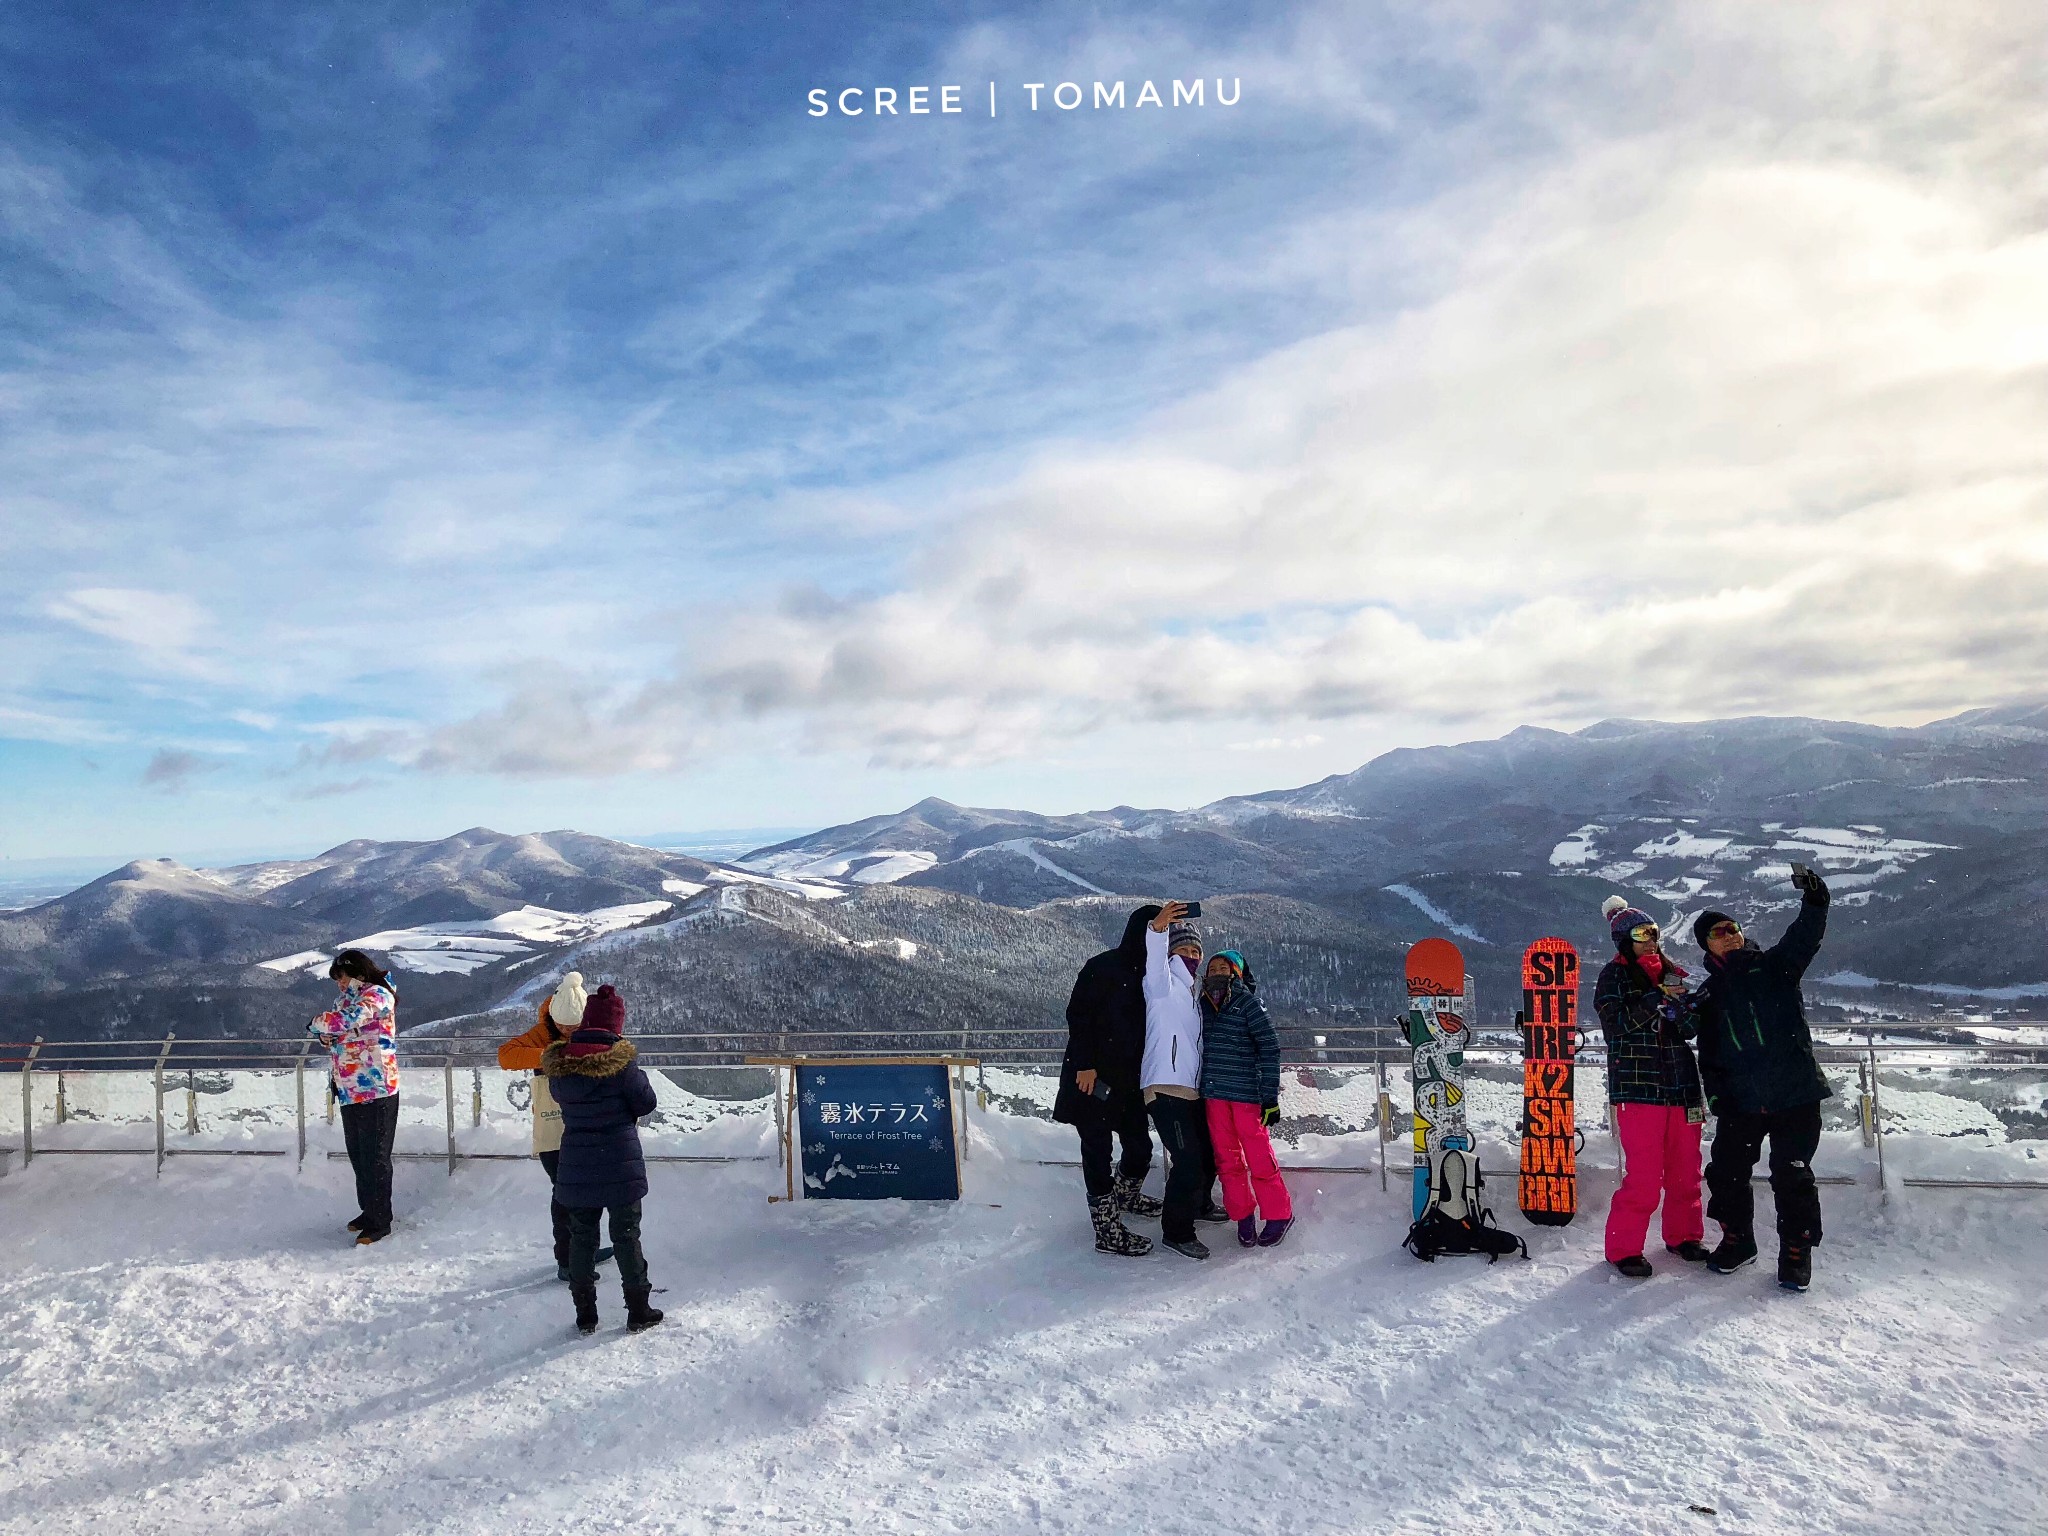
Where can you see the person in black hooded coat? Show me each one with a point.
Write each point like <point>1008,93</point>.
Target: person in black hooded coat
<point>1100,1095</point>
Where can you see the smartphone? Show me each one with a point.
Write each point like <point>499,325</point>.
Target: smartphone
<point>1099,1091</point>
<point>1800,872</point>
<point>1194,909</point>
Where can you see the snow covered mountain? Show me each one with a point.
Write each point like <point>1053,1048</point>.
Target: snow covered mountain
<point>1934,839</point>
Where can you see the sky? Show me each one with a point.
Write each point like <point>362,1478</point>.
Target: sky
<point>421,417</point>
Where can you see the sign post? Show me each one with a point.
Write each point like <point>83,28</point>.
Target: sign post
<point>872,1128</point>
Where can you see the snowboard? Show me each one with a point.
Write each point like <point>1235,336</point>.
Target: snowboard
<point>1436,1031</point>
<point>1550,1039</point>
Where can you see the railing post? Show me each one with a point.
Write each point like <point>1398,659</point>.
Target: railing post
<point>1386,1113</point>
<point>62,1113</point>
<point>191,1105</point>
<point>160,1055</point>
<point>966,1142</point>
<point>28,1103</point>
<point>299,1083</point>
<point>476,1098</point>
<point>781,1124</point>
<point>448,1105</point>
<point>1863,1103</point>
<point>1877,1122</point>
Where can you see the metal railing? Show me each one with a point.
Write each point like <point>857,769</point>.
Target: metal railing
<point>1378,1048</point>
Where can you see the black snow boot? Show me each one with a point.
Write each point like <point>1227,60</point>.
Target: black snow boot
<point>585,1295</point>
<point>1132,1199</point>
<point>1795,1266</point>
<point>1192,1247</point>
<point>1736,1250</point>
<point>1635,1266</point>
<point>1212,1212</point>
<point>640,1316</point>
<point>1111,1235</point>
<point>1693,1252</point>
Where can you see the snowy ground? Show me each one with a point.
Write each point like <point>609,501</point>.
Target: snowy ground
<point>205,1352</point>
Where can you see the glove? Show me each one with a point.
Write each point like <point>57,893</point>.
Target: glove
<point>1809,883</point>
<point>1269,1115</point>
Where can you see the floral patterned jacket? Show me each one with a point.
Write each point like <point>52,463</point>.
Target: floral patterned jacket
<point>361,1033</point>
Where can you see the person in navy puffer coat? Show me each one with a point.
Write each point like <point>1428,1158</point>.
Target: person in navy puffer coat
<point>602,1096</point>
<point>1241,1094</point>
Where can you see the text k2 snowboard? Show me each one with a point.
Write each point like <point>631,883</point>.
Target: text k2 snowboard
<point>1436,1030</point>
<point>1550,1036</point>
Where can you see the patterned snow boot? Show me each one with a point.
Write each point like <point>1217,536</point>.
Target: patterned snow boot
<point>1132,1199</point>
<point>1795,1266</point>
<point>585,1296</point>
<point>1111,1235</point>
<point>640,1316</point>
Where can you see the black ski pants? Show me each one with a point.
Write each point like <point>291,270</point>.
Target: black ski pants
<point>1794,1135</point>
<point>625,1225</point>
<point>368,1130</point>
<point>558,1213</point>
<point>1183,1128</point>
<point>1125,1120</point>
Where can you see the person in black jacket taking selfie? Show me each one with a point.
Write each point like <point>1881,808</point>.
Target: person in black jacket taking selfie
<point>1762,1081</point>
<point>1100,1095</point>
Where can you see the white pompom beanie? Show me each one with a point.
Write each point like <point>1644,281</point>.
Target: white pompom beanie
<point>566,1006</point>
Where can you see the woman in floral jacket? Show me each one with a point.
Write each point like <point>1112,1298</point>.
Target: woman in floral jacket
<point>360,1031</point>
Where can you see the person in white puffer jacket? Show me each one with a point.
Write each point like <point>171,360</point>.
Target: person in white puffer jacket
<point>1170,1075</point>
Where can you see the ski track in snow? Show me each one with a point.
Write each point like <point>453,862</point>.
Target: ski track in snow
<point>205,1353</point>
<point>1435,913</point>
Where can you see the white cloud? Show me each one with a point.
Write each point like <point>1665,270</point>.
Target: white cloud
<point>1735,436</point>
<point>164,627</point>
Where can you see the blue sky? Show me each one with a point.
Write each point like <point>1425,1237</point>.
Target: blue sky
<point>531,416</point>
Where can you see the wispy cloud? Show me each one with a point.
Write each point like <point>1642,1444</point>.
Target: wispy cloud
<point>1480,367</point>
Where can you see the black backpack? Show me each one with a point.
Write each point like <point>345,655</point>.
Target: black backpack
<point>1454,1221</point>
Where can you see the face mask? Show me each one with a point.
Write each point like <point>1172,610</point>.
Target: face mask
<point>1216,988</point>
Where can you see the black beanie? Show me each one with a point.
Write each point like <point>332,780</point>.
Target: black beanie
<point>1704,923</point>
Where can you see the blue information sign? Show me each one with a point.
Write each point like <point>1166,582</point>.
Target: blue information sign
<point>877,1132</point>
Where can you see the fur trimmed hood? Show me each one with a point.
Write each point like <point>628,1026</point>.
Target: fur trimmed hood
<point>556,1061</point>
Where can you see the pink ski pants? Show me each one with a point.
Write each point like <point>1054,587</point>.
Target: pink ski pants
<point>1660,1154</point>
<point>1245,1162</point>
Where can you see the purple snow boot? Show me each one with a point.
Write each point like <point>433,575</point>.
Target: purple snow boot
<point>1275,1231</point>
<point>1248,1232</point>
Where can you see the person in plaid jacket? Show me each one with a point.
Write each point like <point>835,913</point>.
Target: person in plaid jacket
<point>1647,1017</point>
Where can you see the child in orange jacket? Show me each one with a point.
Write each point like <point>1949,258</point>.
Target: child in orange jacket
<point>559,1016</point>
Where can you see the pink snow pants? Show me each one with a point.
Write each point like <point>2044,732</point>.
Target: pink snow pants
<point>1245,1162</point>
<point>1660,1152</point>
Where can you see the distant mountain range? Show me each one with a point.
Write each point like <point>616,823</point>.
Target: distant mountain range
<point>1935,840</point>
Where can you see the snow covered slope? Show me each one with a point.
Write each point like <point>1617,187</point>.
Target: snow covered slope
<point>204,1353</point>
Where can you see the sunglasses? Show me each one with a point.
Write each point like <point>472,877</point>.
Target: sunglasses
<point>1724,931</point>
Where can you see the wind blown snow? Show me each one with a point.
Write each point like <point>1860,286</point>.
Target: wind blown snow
<point>205,1352</point>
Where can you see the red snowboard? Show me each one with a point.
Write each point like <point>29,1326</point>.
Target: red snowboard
<point>1550,1038</point>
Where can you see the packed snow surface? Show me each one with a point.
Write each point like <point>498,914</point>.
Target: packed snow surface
<point>205,1352</point>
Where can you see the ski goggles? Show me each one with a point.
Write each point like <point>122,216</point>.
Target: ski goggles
<point>1645,933</point>
<point>1725,930</point>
